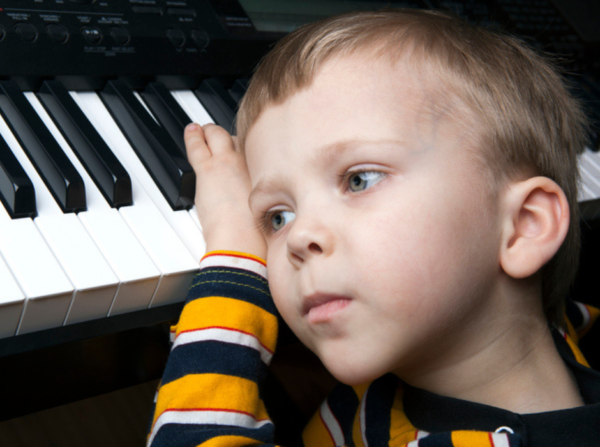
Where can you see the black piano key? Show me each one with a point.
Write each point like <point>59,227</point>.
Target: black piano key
<point>104,168</point>
<point>238,89</point>
<point>56,170</point>
<point>16,190</point>
<point>167,111</point>
<point>160,155</point>
<point>218,103</point>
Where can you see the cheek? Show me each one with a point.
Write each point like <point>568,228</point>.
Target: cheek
<point>279,279</point>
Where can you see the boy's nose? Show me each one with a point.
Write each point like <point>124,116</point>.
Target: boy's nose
<point>308,238</point>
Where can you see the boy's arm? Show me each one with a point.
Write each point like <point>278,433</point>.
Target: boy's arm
<point>223,343</point>
<point>227,331</point>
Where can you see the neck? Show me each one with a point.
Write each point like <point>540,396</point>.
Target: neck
<point>513,366</point>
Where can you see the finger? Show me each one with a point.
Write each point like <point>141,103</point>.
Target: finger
<point>195,144</point>
<point>218,139</point>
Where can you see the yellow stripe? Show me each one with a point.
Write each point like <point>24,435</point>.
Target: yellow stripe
<point>578,355</point>
<point>571,331</point>
<point>211,391</point>
<point>230,313</point>
<point>316,434</point>
<point>230,441</point>
<point>401,430</point>
<point>470,439</point>
<point>234,253</point>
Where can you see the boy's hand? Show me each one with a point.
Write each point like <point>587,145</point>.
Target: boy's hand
<point>222,190</point>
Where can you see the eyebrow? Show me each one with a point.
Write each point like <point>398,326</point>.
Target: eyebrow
<point>331,151</point>
<point>262,187</point>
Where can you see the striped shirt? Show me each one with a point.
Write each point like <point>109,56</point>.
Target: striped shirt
<point>211,390</point>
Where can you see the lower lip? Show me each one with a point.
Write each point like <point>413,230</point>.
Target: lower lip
<point>325,312</point>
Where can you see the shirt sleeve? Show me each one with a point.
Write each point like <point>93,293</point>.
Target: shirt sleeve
<point>222,345</point>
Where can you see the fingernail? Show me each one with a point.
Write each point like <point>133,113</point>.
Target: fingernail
<point>191,127</point>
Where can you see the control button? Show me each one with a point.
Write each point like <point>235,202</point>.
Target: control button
<point>147,10</point>
<point>27,32</point>
<point>176,37</point>
<point>119,35</point>
<point>181,12</point>
<point>2,33</point>
<point>83,2</point>
<point>200,38</point>
<point>91,34</point>
<point>57,33</point>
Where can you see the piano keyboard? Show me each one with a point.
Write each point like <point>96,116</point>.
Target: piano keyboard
<point>59,268</point>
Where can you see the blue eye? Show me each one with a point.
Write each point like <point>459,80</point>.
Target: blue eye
<point>359,181</point>
<point>280,218</point>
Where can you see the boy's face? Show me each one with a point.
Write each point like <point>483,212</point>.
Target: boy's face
<point>382,242</point>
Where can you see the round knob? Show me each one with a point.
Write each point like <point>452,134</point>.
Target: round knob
<point>119,35</point>
<point>200,38</point>
<point>91,34</point>
<point>176,37</point>
<point>57,33</point>
<point>27,32</point>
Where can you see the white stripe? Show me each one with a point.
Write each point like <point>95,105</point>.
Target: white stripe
<point>414,443</point>
<point>206,417</point>
<point>172,335</point>
<point>332,424</point>
<point>584,313</point>
<point>226,336</point>
<point>500,440</point>
<point>363,422</point>
<point>232,261</point>
<point>422,434</point>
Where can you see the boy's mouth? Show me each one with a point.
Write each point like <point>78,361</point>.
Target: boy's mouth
<point>320,307</point>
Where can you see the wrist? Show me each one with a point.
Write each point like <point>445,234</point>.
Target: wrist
<point>237,243</point>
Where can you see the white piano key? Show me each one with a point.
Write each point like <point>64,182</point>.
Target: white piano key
<point>166,250</point>
<point>590,173</point>
<point>48,291</point>
<point>94,282</point>
<point>12,301</point>
<point>587,188</point>
<point>180,221</point>
<point>137,274</point>
<point>190,104</point>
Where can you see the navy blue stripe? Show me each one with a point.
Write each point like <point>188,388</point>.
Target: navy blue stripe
<point>344,403</point>
<point>437,440</point>
<point>232,283</point>
<point>191,435</point>
<point>573,313</point>
<point>380,399</point>
<point>215,357</point>
<point>151,415</point>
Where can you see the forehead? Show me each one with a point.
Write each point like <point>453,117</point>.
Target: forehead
<point>355,98</point>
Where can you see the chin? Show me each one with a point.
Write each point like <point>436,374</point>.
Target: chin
<point>353,374</point>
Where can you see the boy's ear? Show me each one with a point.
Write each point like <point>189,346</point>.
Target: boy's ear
<point>535,223</point>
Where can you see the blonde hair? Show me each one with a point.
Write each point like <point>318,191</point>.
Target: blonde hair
<point>529,120</point>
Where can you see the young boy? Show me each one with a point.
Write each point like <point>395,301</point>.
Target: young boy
<point>411,182</point>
